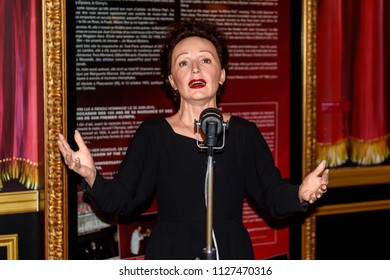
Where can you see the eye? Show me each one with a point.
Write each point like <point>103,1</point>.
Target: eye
<point>206,61</point>
<point>183,63</point>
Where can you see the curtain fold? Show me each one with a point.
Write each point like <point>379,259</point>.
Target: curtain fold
<point>19,93</point>
<point>332,139</point>
<point>369,128</point>
<point>2,42</point>
<point>352,102</point>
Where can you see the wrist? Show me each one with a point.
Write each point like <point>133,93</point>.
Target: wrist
<point>91,178</point>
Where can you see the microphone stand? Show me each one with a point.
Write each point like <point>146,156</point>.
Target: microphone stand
<point>209,252</point>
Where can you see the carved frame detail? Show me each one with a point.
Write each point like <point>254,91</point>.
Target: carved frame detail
<point>54,77</point>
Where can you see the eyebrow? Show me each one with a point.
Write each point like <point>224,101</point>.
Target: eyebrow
<point>202,51</point>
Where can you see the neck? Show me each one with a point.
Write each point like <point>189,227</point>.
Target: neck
<point>189,113</point>
<point>189,127</point>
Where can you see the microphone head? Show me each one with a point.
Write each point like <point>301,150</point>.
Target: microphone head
<point>211,115</point>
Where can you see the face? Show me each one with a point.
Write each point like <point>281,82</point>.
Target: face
<point>196,70</point>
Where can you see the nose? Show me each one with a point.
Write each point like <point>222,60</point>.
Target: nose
<point>195,68</point>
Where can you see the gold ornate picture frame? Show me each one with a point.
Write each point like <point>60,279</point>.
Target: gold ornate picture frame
<point>339,177</point>
<point>54,81</point>
<point>10,242</point>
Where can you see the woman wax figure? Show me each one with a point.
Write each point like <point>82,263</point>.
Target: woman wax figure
<point>164,160</point>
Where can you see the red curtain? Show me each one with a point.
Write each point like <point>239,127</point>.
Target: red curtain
<point>332,138</point>
<point>368,125</point>
<point>19,93</point>
<point>352,108</point>
<point>2,118</point>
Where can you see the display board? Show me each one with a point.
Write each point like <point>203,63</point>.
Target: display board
<point>117,82</point>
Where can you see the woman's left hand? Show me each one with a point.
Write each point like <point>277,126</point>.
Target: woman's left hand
<point>314,185</point>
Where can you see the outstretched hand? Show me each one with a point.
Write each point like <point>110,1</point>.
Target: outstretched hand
<point>314,185</point>
<point>80,161</point>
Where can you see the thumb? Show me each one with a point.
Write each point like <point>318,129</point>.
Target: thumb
<point>325,177</point>
<point>320,168</point>
<point>79,140</point>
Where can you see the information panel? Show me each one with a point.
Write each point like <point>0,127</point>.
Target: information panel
<point>117,82</point>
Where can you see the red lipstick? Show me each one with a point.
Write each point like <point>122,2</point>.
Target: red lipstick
<point>197,83</point>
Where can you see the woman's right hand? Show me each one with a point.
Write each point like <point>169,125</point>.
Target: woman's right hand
<point>80,161</point>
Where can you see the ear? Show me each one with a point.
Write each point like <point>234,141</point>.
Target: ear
<point>223,77</point>
<point>172,82</point>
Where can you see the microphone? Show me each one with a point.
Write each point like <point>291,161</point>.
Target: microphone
<point>211,123</point>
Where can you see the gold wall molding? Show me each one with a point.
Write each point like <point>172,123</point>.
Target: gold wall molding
<point>347,208</point>
<point>308,238</point>
<point>19,202</point>
<point>54,67</point>
<point>10,241</point>
<point>309,87</point>
<point>309,227</point>
<point>359,176</point>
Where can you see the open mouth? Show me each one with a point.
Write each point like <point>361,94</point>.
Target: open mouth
<point>197,83</point>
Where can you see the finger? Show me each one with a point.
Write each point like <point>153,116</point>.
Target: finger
<point>320,168</point>
<point>325,177</point>
<point>60,140</point>
<point>79,140</point>
<point>68,159</point>
<point>63,150</point>
<point>63,145</point>
<point>77,164</point>
<point>312,198</point>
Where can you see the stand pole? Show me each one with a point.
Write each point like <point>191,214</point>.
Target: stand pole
<point>211,122</point>
<point>209,251</point>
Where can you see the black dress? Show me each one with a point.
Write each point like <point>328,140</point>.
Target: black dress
<point>167,164</point>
